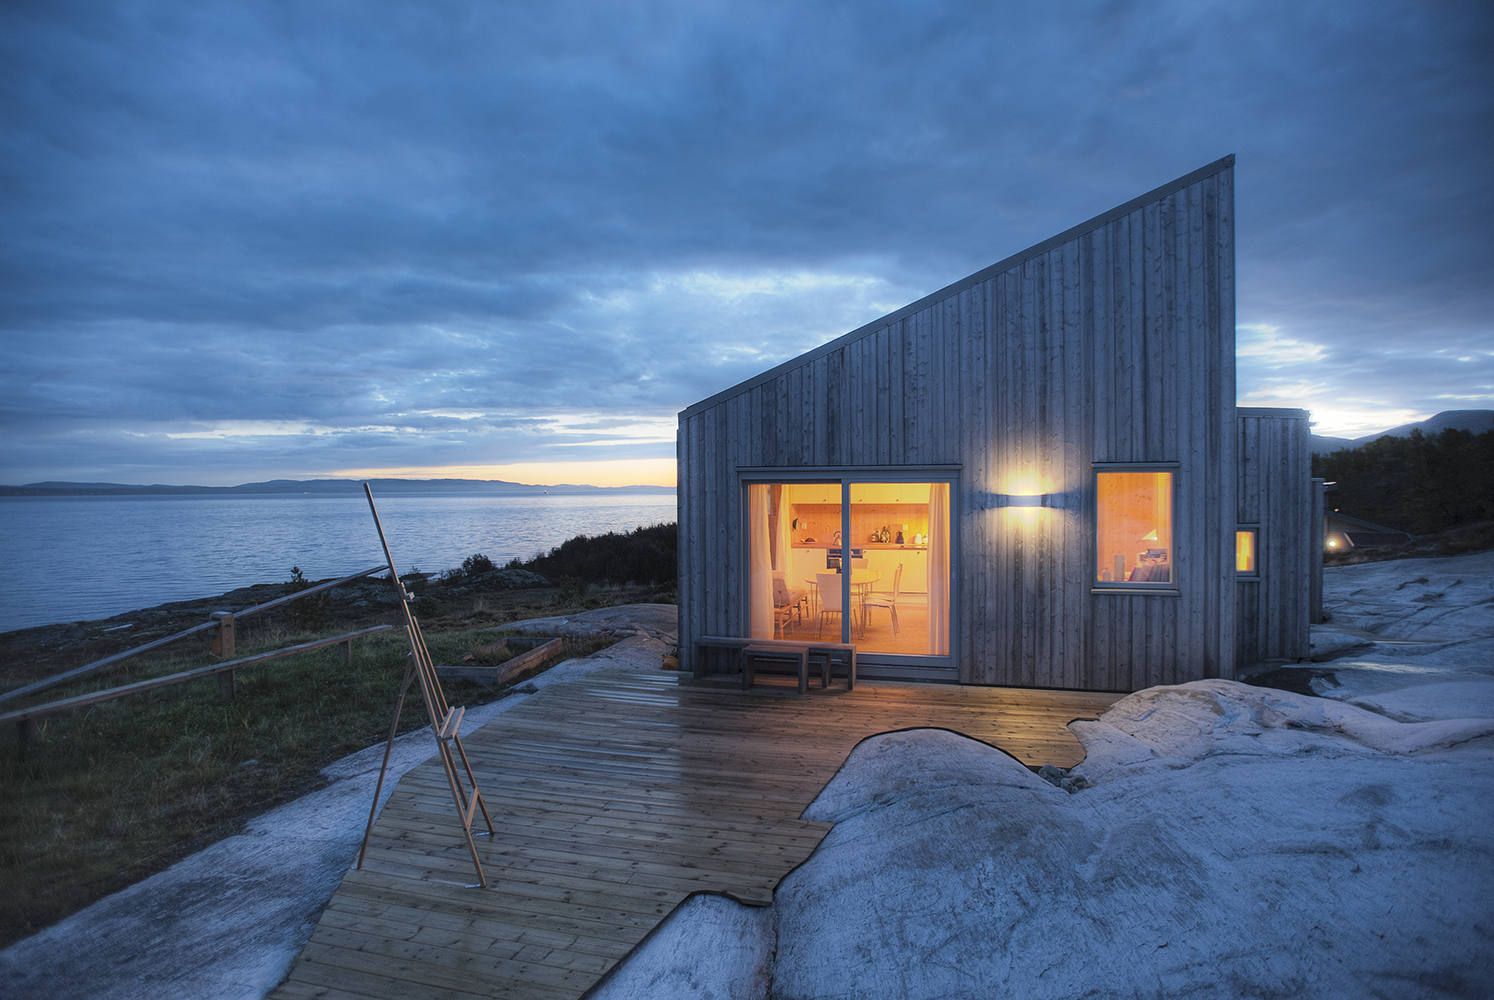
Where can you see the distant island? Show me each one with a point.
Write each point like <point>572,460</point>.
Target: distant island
<point>326,486</point>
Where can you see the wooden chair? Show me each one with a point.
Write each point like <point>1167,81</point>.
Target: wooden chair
<point>877,599</point>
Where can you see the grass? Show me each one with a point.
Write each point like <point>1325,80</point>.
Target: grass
<point>119,790</point>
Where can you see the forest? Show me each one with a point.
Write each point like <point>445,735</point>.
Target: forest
<point>1422,484</point>
<point>642,556</point>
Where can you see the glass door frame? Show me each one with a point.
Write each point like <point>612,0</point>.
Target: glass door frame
<point>848,476</point>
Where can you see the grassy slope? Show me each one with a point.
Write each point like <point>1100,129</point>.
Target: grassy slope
<point>121,789</point>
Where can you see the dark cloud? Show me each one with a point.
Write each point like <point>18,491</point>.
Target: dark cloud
<point>461,222</point>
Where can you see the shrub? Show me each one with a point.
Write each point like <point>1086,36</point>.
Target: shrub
<point>572,590</point>
<point>477,564</point>
<point>642,556</point>
<point>306,612</point>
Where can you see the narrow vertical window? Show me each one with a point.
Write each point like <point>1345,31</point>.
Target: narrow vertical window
<point>1245,548</point>
<point>1133,528</point>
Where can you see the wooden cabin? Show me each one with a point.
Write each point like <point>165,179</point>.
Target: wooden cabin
<point>1030,477</point>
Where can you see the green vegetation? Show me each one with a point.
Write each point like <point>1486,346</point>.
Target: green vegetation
<point>641,556</point>
<point>116,791</point>
<point>1420,484</point>
<point>308,612</point>
<point>121,789</point>
<point>476,565</point>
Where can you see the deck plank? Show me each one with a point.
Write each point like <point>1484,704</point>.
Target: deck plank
<point>614,798</point>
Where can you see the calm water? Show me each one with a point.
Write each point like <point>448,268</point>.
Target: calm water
<point>80,558</point>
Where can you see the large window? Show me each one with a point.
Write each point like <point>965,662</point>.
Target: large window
<point>1133,521</point>
<point>864,562</point>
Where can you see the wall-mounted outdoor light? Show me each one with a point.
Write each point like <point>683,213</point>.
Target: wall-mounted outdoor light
<point>994,501</point>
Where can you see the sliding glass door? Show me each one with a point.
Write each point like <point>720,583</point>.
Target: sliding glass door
<point>851,561</point>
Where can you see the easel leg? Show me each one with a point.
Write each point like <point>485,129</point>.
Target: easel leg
<point>399,705</point>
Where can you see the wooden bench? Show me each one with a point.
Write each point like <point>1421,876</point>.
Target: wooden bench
<point>750,650</point>
<point>800,657</point>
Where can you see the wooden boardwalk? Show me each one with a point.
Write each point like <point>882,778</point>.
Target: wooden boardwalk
<point>615,797</point>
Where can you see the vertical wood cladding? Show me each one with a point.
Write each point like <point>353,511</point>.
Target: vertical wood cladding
<point>1113,342</point>
<point>1275,493</point>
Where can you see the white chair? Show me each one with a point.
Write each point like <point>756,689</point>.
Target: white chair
<point>788,603</point>
<point>877,599</point>
<point>830,598</point>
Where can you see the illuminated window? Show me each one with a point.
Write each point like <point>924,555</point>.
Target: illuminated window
<point>1133,543</point>
<point>1245,547</point>
<point>897,597</point>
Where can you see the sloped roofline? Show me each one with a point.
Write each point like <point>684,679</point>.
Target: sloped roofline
<point>1367,525</point>
<point>983,274</point>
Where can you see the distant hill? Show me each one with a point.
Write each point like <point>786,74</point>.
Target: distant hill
<point>1473,421</point>
<point>326,486</point>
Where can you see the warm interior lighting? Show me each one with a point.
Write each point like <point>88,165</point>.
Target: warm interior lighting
<point>1245,552</point>
<point>892,541</point>
<point>1133,535</point>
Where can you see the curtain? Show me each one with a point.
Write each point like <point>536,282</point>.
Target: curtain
<point>761,572</point>
<point>782,533</point>
<point>939,569</point>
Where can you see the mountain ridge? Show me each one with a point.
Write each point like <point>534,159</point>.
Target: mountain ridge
<point>327,487</point>
<point>1473,421</point>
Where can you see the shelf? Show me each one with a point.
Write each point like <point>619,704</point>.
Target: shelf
<point>874,546</point>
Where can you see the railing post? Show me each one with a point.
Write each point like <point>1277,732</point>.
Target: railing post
<point>347,653</point>
<point>223,641</point>
<point>223,646</point>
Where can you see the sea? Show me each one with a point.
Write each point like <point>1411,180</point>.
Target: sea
<point>81,558</point>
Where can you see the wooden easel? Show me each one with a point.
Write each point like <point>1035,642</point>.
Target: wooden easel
<point>445,721</point>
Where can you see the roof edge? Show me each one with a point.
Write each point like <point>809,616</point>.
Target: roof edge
<point>1287,412</point>
<point>829,347</point>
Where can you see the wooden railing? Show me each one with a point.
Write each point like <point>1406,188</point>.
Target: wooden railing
<point>27,717</point>
<point>223,645</point>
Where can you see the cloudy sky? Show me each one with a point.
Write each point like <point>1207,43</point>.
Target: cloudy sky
<point>246,240</point>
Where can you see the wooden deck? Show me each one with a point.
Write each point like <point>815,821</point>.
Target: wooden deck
<point>616,797</point>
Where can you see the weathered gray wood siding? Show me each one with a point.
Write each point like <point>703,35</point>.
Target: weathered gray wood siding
<point>1276,494</point>
<point>1112,342</point>
<point>1315,555</point>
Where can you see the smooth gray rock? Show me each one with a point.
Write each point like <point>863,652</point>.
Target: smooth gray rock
<point>657,621</point>
<point>1326,870</point>
<point>708,948</point>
